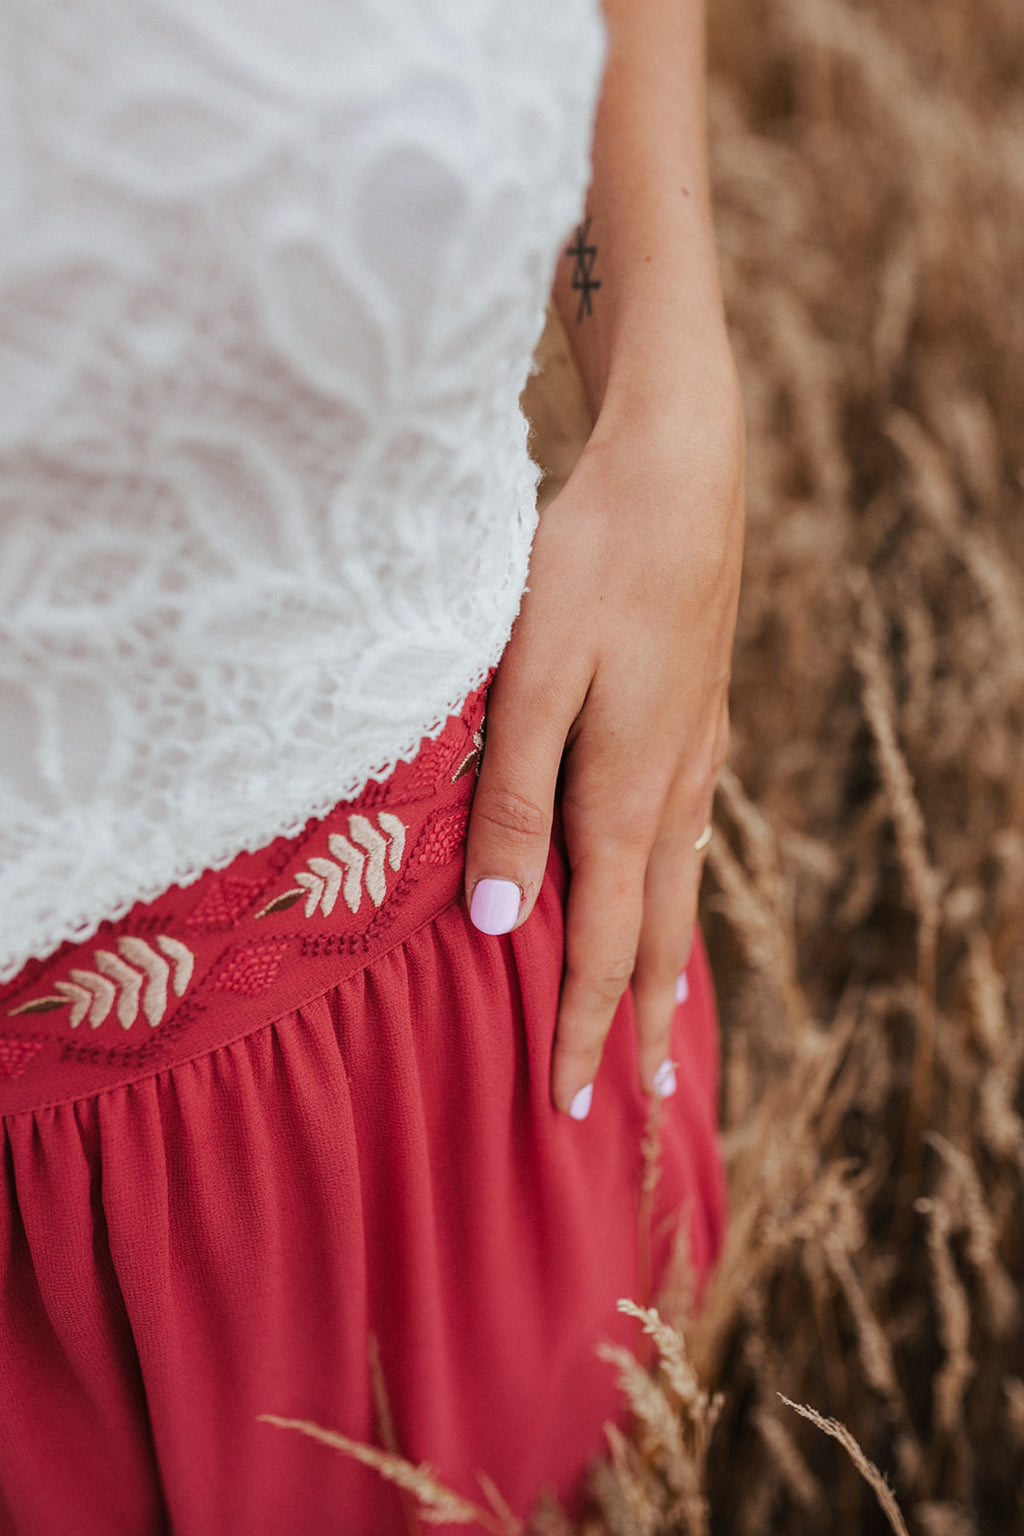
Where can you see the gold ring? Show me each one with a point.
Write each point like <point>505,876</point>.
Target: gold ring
<point>703,840</point>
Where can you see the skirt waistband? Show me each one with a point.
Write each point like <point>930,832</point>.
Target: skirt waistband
<point>207,963</point>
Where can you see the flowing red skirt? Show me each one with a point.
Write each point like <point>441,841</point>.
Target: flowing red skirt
<point>298,1104</point>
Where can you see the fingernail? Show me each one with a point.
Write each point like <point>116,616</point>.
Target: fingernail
<point>495,905</point>
<point>579,1109</point>
<point>665,1080</point>
<point>682,988</point>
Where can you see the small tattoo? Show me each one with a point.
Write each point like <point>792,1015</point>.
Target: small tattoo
<point>584,256</point>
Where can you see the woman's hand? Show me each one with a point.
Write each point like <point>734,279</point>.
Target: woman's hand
<point>617,675</point>
<point>618,668</point>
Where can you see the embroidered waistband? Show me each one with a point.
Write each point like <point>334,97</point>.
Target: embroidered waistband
<point>209,962</point>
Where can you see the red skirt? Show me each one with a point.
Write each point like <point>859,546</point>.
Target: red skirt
<point>298,1104</point>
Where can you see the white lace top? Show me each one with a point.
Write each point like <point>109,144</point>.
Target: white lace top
<point>270,277</point>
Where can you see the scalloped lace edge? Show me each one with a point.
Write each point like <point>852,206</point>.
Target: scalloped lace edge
<point>258,836</point>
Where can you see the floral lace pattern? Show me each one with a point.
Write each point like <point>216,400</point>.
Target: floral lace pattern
<point>269,284</point>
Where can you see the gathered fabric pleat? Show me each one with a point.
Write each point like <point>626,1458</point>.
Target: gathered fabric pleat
<point>219,1238</point>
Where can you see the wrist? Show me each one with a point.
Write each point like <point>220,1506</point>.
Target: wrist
<point>643,304</point>
<point>663,373</point>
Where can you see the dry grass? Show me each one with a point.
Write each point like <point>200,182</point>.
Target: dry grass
<point>865,899</point>
<point>864,905</point>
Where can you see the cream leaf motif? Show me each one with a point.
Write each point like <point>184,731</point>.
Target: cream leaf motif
<point>359,860</point>
<point>133,980</point>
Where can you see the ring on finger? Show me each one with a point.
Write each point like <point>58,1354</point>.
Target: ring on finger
<point>703,840</point>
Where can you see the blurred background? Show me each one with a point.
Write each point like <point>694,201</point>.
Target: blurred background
<point>864,900</point>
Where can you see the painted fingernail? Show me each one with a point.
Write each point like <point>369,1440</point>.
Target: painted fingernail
<point>579,1109</point>
<point>495,905</point>
<point>665,1080</point>
<point>682,988</point>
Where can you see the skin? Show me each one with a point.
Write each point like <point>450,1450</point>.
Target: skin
<point>616,676</point>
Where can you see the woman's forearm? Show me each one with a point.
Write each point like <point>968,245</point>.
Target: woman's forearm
<point>637,287</point>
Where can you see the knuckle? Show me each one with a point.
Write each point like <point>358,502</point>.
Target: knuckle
<point>506,813</point>
<point>616,973</point>
<point>601,987</point>
<point>661,971</point>
<point>582,1052</point>
<point>620,827</point>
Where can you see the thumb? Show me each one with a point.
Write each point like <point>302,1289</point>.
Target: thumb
<point>510,823</point>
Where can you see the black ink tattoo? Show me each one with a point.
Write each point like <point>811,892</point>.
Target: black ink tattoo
<point>583,281</point>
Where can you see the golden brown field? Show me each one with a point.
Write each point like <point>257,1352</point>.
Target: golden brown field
<point>864,901</point>
<point>865,898</point>
<point>864,904</point>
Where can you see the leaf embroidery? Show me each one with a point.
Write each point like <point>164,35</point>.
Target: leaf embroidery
<point>281,903</point>
<point>358,861</point>
<point>473,759</point>
<point>134,979</point>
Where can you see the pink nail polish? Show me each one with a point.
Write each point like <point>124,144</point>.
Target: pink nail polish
<point>579,1109</point>
<point>665,1080</point>
<point>682,988</point>
<point>495,905</point>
